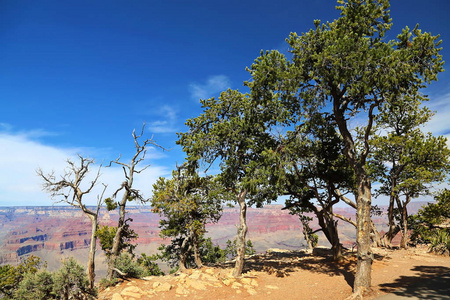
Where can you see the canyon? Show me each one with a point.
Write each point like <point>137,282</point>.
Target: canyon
<point>56,232</point>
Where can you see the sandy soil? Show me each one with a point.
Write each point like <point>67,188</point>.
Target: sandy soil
<point>294,275</point>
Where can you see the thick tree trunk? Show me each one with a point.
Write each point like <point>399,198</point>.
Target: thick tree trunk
<point>336,246</point>
<point>329,228</point>
<point>92,249</point>
<point>363,241</point>
<point>241,233</point>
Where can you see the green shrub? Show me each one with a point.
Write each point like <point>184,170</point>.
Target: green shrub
<point>428,224</point>
<point>231,251</point>
<point>127,264</point>
<point>440,242</point>
<point>36,286</point>
<point>149,264</point>
<point>211,253</point>
<point>104,283</point>
<point>71,282</point>
<point>11,276</point>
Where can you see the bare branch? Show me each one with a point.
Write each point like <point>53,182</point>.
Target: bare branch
<point>345,219</point>
<point>345,199</point>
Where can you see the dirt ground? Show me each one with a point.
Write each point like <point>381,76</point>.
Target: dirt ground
<point>288,275</point>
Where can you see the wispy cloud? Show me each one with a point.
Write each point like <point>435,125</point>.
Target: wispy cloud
<point>439,124</point>
<point>167,122</point>
<point>212,86</point>
<point>21,156</point>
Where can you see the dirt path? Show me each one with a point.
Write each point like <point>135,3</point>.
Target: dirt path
<point>288,275</point>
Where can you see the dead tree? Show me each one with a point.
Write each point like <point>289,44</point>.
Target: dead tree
<point>67,189</point>
<point>129,193</point>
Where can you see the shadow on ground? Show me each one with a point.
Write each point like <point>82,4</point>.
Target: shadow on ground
<point>430,282</point>
<point>282,263</point>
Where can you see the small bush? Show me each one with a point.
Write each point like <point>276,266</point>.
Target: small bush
<point>126,263</point>
<point>36,286</point>
<point>71,282</point>
<point>11,276</point>
<point>151,268</point>
<point>440,243</point>
<point>104,283</point>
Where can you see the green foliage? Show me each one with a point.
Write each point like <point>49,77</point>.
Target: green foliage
<point>110,204</point>
<point>129,265</point>
<point>27,282</point>
<point>105,283</point>
<point>11,276</point>
<point>440,242</point>
<point>232,133</point>
<point>36,286</point>
<point>106,235</point>
<point>431,224</point>
<point>211,253</point>
<point>187,202</point>
<point>150,266</point>
<point>231,250</point>
<point>71,282</point>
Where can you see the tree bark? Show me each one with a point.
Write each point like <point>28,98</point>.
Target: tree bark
<point>197,258</point>
<point>364,252</point>
<point>117,238</point>
<point>241,233</point>
<point>92,249</point>
<point>404,214</point>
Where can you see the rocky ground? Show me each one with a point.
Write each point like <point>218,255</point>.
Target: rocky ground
<point>287,275</point>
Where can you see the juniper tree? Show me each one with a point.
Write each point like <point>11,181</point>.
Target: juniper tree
<point>233,133</point>
<point>186,202</point>
<point>348,70</point>
<point>406,161</point>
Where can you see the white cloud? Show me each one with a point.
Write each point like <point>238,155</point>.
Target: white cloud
<point>167,121</point>
<point>439,124</point>
<point>20,156</point>
<point>212,86</point>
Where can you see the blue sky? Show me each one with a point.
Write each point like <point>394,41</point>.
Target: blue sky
<point>79,76</point>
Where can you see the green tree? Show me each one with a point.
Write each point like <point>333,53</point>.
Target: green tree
<point>186,202</point>
<point>314,168</point>
<point>346,69</point>
<point>232,133</point>
<point>431,224</point>
<point>11,276</point>
<point>406,161</point>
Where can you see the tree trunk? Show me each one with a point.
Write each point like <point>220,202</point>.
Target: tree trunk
<point>336,246</point>
<point>306,230</point>
<point>404,214</point>
<point>117,239</point>
<point>376,238</point>
<point>329,228</point>
<point>365,255</point>
<point>92,249</point>
<point>197,258</point>
<point>241,233</point>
